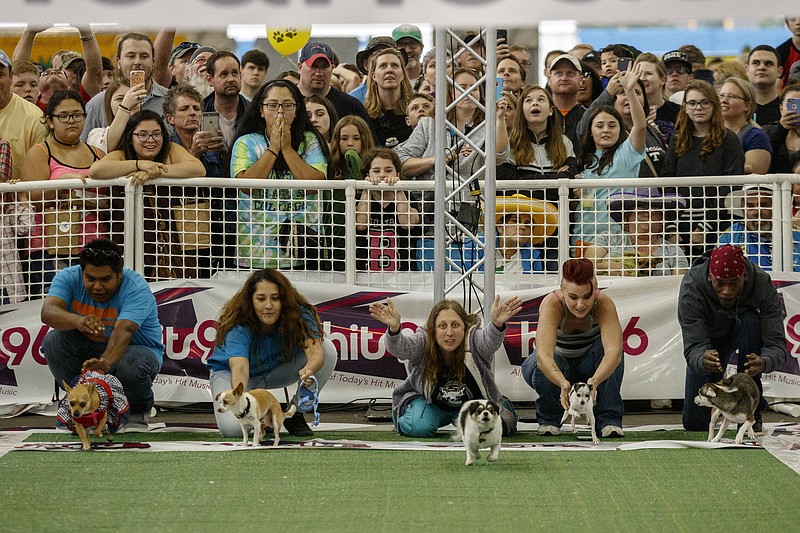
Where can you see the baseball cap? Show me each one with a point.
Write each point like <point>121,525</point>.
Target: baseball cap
<point>313,51</point>
<point>407,30</point>
<point>68,57</point>
<point>376,43</point>
<point>4,60</point>
<point>676,56</point>
<point>566,57</point>
<point>182,49</point>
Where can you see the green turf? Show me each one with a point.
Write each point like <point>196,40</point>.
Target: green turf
<point>357,490</point>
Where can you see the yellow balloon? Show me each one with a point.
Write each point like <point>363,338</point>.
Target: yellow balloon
<point>287,41</point>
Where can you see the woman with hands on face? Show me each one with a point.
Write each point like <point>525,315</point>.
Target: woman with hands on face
<point>449,363</point>
<point>579,339</point>
<point>276,140</point>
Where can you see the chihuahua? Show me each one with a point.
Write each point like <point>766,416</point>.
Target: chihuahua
<point>254,409</point>
<point>736,399</point>
<point>98,401</point>
<point>479,426</point>
<point>581,404</point>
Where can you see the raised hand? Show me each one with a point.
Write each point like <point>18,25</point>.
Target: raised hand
<point>386,313</point>
<point>501,312</point>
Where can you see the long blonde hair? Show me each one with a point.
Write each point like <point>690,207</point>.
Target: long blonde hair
<point>337,157</point>
<point>373,101</point>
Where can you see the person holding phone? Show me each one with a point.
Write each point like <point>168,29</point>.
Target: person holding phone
<point>183,110</point>
<point>785,134</point>
<point>135,52</point>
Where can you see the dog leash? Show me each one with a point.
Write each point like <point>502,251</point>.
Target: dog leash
<point>307,403</point>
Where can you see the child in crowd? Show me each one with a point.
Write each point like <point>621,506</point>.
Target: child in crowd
<point>384,217</point>
<point>420,105</point>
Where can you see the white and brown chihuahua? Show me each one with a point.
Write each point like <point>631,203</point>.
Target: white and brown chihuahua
<point>581,403</point>
<point>254,409</point>
<point>736,399</point>
<point>480,426</point>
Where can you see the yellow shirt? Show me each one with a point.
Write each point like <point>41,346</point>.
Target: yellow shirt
<point>21,125</point>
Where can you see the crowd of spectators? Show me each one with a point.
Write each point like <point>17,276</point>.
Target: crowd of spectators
<point>164,110</point>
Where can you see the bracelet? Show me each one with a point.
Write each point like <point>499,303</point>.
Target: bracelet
<point>87,38</point>
<point>120,106</point>
<point>137,165</point>
<point>273,152</point>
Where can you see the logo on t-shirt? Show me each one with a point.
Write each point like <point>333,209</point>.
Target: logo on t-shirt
<point>454,394</point>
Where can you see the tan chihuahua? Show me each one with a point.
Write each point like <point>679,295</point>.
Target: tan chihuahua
<point>84,404</point>
<point>254,409</point>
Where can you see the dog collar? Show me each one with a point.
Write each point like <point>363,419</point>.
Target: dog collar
<point>484,433</point>
<point>246,409</point>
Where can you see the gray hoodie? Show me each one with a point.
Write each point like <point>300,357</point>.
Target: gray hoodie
<point>483,343</point>
<point>703,318</point>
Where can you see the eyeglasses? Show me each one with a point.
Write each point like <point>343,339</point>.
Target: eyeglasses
<point>731,97</point>
<point>54,71</point>
<point>93,253</point>
<point>188,44</point>
<point>274,106</point>
<point>678,69</point>
<point>66,117</point>
<point>143,135</point>
<point>702,104</point>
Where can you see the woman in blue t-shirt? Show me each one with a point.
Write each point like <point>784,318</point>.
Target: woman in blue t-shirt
<point>268,336</point>
<point>607,152</point>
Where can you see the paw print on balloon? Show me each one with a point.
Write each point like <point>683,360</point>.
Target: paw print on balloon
<point>291,32</point>
<point>278,36</point>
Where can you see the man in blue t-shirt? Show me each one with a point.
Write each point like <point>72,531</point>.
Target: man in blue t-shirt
<point>104,318</point>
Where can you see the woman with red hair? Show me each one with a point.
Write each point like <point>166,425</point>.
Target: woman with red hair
<point>579,339</point>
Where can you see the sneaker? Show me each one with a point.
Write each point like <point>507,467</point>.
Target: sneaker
<point>612,432</point>
<point>548,431</point>
<point>297,427</point>
<point>661,404</point>
<point>137,423</point>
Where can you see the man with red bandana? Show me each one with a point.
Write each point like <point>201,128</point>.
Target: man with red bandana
<point>728,305</point>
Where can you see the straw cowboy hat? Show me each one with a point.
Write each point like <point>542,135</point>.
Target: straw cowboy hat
<point>643,198</point>
<point>735,201</point>
<point>544,214</point>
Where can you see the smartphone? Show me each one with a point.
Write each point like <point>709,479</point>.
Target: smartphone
<point>793,104</point>
<point>498,89</point>
<point>137,77</point>
<point>623,63</point>
<point>210,122</point>
<point>503,34</point>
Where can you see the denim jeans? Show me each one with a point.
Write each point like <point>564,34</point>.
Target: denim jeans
<point>284,375</point>
<point>744,336</point>
<point>421,419</point>
<point>608,409</point>
<point>66,351</point>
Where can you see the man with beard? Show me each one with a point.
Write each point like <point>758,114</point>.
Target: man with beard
<point>134,52</point>
<point>564,81</point>
<point>224,77</point>
<point>754,234</point>
<point>409,38</point>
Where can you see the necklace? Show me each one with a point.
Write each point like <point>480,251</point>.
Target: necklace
<point>66,144</point>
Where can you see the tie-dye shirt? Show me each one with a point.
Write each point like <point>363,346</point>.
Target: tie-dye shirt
<point>262,212</point>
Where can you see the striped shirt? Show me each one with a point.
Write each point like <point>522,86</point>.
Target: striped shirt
<point>574,345</point>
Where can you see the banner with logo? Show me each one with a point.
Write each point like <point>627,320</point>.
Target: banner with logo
<point>654,363</point>
<point>210,14</point>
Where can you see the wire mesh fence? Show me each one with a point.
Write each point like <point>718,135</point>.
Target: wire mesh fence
<point>381,236</point>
